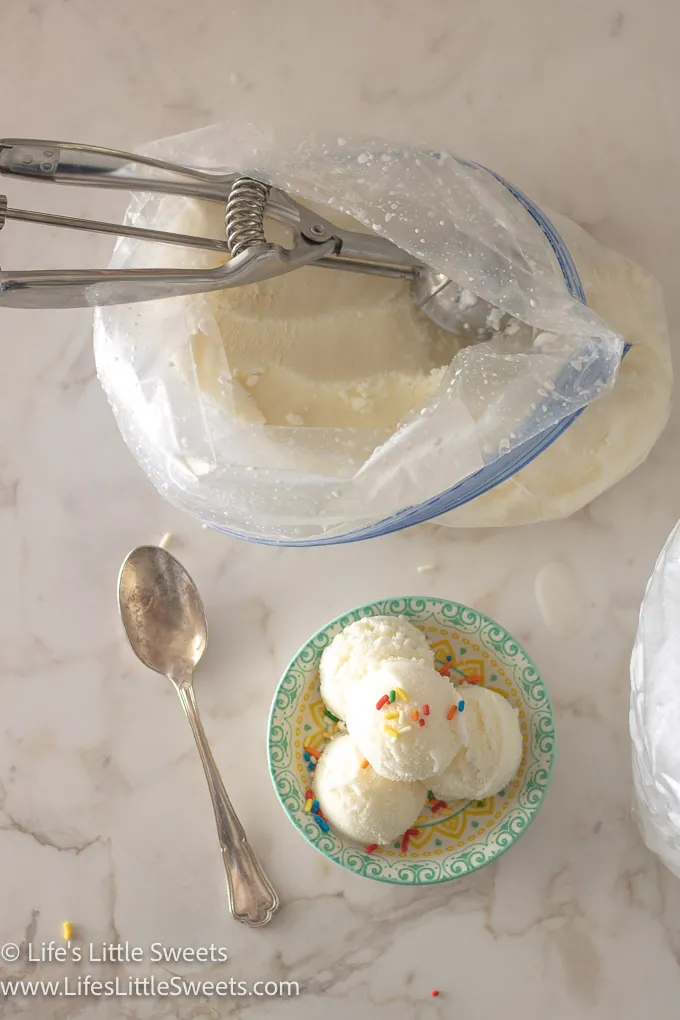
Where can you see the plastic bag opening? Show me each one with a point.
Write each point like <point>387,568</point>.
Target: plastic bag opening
<point>296,485</point>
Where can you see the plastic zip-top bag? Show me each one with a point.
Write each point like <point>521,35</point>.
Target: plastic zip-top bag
<point>194,423</point>
<point>655,708</point>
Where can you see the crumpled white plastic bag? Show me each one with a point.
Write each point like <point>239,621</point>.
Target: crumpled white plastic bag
<point>294,484</point>
<point>655,708</point>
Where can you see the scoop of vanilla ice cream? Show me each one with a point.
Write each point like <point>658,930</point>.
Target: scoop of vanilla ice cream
<point>493,750</point>
<point>359,648</point>
<point>357,801</point>
<point>392,740</point>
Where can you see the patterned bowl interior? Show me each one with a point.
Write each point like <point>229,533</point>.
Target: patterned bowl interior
<point>466,835</point>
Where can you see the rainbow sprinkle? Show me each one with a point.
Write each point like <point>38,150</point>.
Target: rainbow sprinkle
<point>312,806</point>
<point>461,705</point>
<point>313,751</point>
<point>415,714</point>
<point>406,837</point>
<point>401,693</point>
<point>371,847</point>
<point>67,931</point>
<point>426,709</point>
<point>452,711</point>
<point>329,715</point>
<point>447,668</point>
<point>383,701</point>
<point>421,722</point>
<point>435,804</point>
<point>365,763</point>
<point>391,715</point>
<point>392,696</point>
<point>391,731</point>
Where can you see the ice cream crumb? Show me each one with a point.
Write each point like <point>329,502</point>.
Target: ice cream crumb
<point>294,419</point>
<point>493,319</point>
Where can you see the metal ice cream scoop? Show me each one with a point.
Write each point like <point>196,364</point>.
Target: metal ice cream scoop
<point>316,241</point>
<point>165,623</point>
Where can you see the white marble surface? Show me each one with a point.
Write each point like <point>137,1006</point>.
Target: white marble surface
<point>104,815</point>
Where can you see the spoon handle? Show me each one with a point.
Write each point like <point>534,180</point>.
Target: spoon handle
<point>252,899</point>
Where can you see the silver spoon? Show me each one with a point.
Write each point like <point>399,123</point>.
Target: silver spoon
<point>165,623</point>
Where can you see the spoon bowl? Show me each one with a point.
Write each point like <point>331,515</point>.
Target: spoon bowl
<point>162,612</point>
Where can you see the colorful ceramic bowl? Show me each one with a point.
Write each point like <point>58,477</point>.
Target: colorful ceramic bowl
<point>466,835</point>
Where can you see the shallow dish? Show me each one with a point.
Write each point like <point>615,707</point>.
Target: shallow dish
<point>466,835</point>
